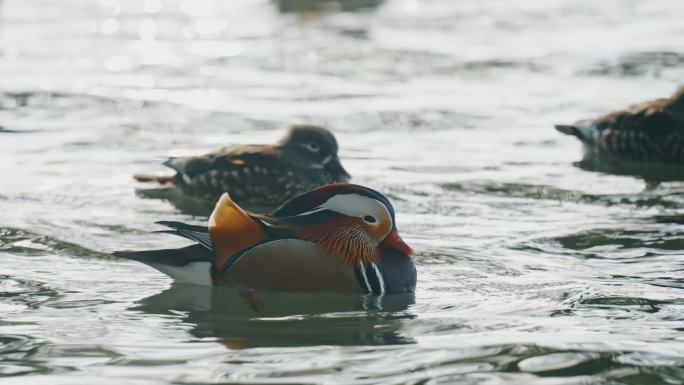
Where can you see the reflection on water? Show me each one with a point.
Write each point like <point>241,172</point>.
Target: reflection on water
<point>651,173</point>
<point>325,5</point>
<point>533,268</point>
<point>193,205</point>
<point>242,320</point>
<point>639,64</point>
<point>184,203</point>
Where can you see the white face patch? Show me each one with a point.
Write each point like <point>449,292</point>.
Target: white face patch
<point>372,211</point>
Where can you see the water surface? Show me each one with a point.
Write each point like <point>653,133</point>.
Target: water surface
<point>533,268</point>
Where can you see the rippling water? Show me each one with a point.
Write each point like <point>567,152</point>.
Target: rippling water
<point>533,268</point>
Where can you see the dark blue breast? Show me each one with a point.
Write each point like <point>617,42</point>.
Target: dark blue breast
<point>394,273</point>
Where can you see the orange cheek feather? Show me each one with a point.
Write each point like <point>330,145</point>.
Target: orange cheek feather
<point>377,232</point>
<point>345,239</point>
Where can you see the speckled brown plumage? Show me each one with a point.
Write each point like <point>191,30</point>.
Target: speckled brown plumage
<point>265,174</point>
<point>650,131</point>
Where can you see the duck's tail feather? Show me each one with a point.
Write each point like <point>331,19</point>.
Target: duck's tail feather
<point>199,234</point>
<point>161,179</point>
<point>585,131</point>
<point>191,264</point>
<point>171,257</point>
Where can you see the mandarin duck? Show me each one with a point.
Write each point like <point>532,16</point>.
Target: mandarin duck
<point>651,131</point>
<point>336,238</point>
<point>265,174</point>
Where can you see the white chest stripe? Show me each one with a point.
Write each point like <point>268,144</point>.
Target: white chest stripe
<point>362,269</point>
<point>380,280</point>
<point>375,271</point>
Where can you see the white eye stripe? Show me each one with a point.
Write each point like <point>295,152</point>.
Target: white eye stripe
<point>355,205</point>
<point>313,210</point>
<point>313,147</point>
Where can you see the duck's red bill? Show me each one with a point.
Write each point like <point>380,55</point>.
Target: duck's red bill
<point>394,241</point>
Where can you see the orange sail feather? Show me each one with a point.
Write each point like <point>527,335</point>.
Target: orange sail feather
<point>232,229</point>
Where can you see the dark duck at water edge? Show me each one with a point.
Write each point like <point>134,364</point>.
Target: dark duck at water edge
<point>265,174</point>
<point>336,238</point>
<point>651,131</point>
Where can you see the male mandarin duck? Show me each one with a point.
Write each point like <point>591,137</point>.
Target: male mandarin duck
<point>265,174</point>
<point>650,131</point>
<point>337,238</point>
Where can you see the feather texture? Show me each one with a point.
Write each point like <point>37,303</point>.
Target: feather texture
<point>345,239</point>
<point>199,234</point>
<point>649,131</point>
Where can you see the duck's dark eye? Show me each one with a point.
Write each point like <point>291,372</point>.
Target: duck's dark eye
<point>313,147</point>
<point>369,219</point>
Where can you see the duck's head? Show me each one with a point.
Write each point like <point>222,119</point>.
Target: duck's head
<point>313,147</point>
<point>353,223</point>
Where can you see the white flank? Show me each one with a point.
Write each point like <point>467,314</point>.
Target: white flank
<point>198,273</point>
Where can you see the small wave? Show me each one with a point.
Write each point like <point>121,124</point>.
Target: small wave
<point>27,243</point>
<point>638,64</point>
